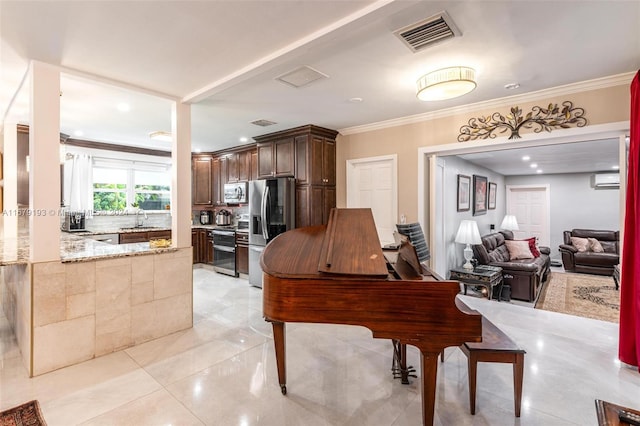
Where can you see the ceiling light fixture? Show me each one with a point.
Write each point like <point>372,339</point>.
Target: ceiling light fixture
<point>615,167</point>
<point>533,165</point>
<point>161,136</point>
<point>446,83</point>
<point>526,158</point>
<point>511,86</point>
<point>538,171</point>
<point>244,139</point>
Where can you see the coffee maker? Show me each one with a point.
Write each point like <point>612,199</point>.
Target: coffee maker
<point>73,222</point>
<point>206,217</point>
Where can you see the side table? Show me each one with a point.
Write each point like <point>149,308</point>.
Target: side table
<point>483,275</point>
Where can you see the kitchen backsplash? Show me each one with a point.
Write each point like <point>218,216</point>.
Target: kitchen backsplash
<point>114,222</point>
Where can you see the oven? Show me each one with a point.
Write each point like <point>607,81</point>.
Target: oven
<point>224,251</point>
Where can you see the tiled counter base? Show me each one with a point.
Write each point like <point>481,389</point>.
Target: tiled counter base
<point>86,309</point>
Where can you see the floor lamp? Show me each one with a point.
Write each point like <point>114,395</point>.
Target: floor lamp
<point>468,234</point>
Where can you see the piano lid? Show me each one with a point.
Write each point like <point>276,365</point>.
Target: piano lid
<point>351,245</point>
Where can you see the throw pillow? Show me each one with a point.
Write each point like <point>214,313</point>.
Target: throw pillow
<point>582,244</point>
<point>595,245</point>
<point>518,249</point>
<point>533,246</point>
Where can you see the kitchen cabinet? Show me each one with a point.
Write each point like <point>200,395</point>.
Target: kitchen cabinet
<point>244,166</point>
<point>314,150</point>
<point>275,157</point>
<point>201,181</point>
<point>202,251</point>
<point>233,172</point>
<point>242,252</point>
<point>313,204</point>
<point>215,184</point>
<point>142,236</point>
<point>253,165</point>
<point>208,249</point>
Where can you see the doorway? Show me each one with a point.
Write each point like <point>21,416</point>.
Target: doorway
<point>427,174</point>
<point>372,183</point>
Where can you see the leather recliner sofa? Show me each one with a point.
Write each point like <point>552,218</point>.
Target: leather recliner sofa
<point>590,262</point>
<point>525,276</point>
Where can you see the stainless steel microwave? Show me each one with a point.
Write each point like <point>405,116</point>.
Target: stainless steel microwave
<point>235,193</point>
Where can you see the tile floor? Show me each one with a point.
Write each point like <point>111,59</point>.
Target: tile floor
<point>223,372</point>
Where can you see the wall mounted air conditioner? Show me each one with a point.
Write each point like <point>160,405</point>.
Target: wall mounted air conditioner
<point>605,180</point>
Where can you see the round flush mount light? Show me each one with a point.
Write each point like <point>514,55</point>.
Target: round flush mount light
<point>511,86</point>
<point>446,83</point>
<point>355,100</point>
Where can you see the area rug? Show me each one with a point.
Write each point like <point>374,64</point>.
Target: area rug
<point>583,295</point>
<point>27,414</point>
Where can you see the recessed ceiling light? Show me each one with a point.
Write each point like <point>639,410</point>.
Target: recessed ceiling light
<point>526,158</point>
<point>78,133</point>
<point>533,165</point>
<point>161,136</point>
<point>197,150</point>
<point>123,107</point>
<point>538,171</point>
<point>615,167</point>
<point>511,86</point>
<point>355,100</point>
<point>244,139</point>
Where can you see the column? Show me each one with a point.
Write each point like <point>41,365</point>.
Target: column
<point>181,175</point>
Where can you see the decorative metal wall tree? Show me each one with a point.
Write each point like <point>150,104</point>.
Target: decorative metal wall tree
<point>538,118</point>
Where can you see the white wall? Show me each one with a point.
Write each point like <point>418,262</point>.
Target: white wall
<point>453,167</point>
<point>575,204</point>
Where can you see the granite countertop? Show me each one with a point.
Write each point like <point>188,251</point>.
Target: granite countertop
<point>117,231</point>
<point>74,248</point>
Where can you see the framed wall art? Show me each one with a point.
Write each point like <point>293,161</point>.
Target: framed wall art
<point>479,195</point>
<point>493,189</point>
<point>464,193</point>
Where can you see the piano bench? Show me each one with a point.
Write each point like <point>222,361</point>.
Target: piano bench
<point>496,346</point>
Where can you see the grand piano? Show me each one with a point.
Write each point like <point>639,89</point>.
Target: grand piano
<point>338,274</point>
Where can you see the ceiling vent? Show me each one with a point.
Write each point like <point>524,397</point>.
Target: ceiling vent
<point>263,123</point>
<point>301,77</point>
<point>432,30</point>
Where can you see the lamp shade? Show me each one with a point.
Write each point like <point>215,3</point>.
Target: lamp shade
<point>468,233</point>
<point>509,223</point>
<point>446,83</point>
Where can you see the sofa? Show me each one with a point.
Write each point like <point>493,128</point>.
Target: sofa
<point>590,257</point>
<point>525,275</point>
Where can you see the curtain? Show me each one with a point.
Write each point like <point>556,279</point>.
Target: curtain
<point>79,181</point>
<point>629,346</point>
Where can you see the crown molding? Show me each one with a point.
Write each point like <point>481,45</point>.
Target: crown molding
<point>568,89</point>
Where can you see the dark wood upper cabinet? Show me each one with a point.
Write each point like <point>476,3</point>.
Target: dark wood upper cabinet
<point>215,183</point>
<point>276,158</point>
<point>312,150</point>
<point>202,177</point>
<point>233,173</point>
<point>253,167</point>
<point>244,166</point>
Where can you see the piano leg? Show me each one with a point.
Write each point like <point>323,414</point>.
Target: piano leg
<point>279,340</point>
<point>429,365</point>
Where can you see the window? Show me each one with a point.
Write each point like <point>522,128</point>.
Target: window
<point>118,185</point>
<point>109,189</point>
<point>151,189</point>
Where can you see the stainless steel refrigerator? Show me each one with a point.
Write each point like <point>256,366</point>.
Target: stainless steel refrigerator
<point>272,211</point>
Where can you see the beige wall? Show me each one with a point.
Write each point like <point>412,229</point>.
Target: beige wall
<point>601,106</point>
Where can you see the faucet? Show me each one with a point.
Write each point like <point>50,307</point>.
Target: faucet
<point>139,221</point>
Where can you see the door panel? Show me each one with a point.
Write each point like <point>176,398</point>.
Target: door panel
<point>373,185</point>
<point>530,205</point>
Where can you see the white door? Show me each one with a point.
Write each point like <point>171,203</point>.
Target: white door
<point>372,183</point>
<point>530,206</point>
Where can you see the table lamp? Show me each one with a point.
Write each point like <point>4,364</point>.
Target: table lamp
<point>468,234</point>
<point>509,223</point>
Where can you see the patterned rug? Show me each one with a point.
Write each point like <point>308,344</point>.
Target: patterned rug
<point>583,295</point>
<point>27,414</point>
